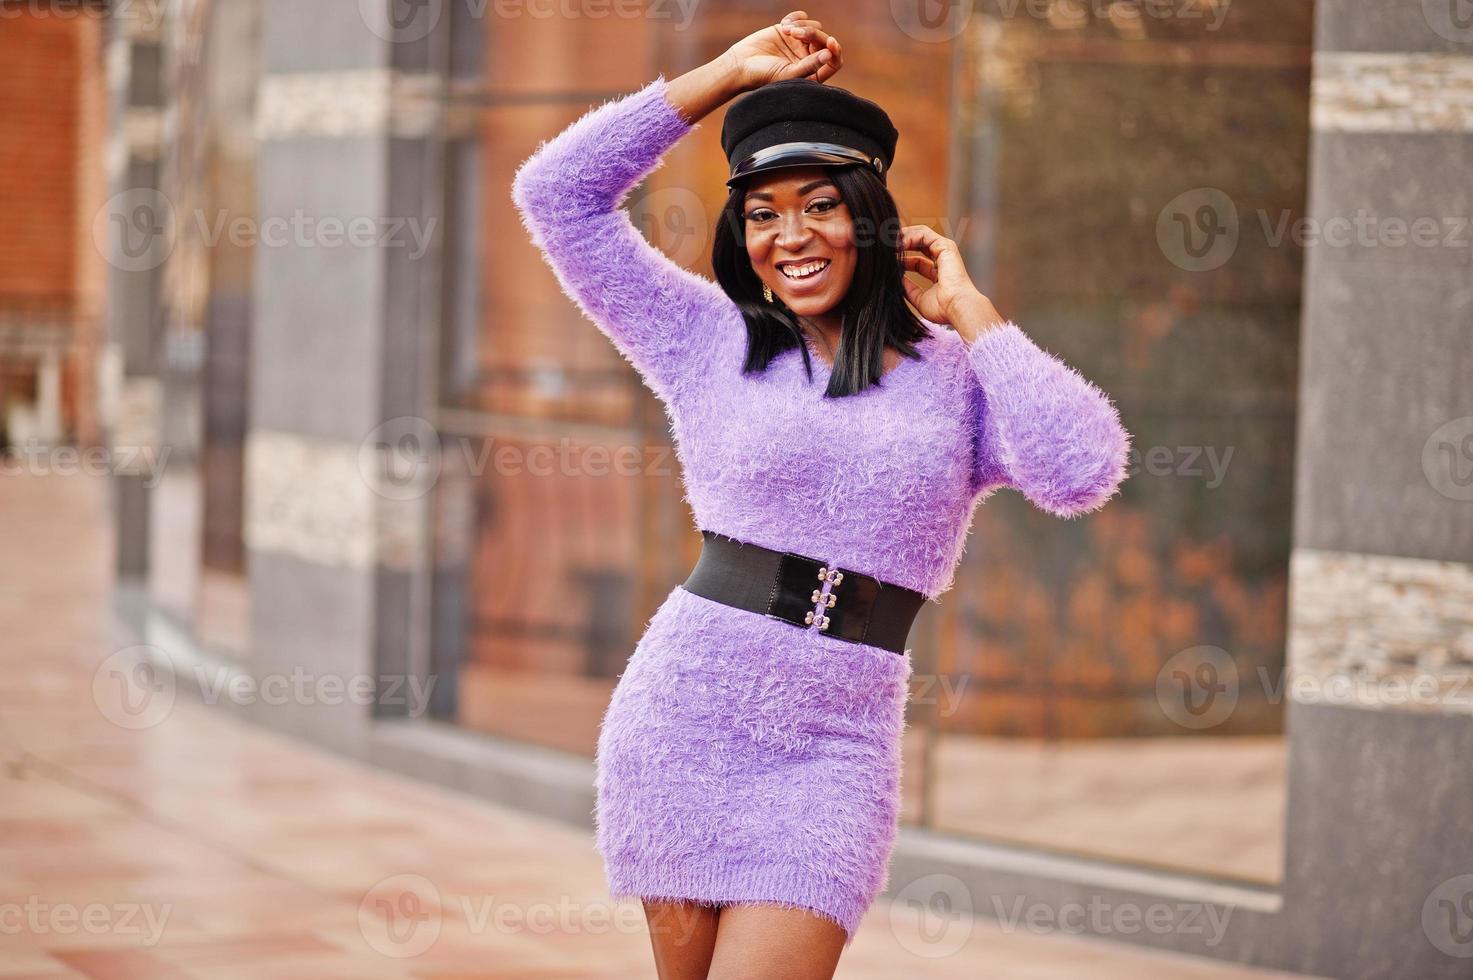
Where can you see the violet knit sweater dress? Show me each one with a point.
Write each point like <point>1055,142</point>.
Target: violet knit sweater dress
<point>743,759</point>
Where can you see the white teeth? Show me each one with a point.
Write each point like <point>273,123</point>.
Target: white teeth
<point>804,271</point>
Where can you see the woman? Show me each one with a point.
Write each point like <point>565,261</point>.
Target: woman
<point>748,766</point>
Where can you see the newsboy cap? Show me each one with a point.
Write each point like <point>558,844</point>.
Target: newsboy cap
<point>801,121</point>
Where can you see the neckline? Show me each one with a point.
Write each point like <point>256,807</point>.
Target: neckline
<point>924,346</point>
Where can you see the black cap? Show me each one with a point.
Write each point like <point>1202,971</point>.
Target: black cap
<point>801,121</point>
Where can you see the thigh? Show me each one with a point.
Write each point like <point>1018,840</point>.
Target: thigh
<point>771,942</point>
<point>683,935</point>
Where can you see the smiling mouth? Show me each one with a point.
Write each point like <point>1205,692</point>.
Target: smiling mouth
<point>804,270</point>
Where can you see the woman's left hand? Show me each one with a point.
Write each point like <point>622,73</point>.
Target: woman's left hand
<point>951,298</point>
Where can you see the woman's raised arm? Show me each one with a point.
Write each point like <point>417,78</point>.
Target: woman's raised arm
<point>659,315</point>
<point>662,317</point>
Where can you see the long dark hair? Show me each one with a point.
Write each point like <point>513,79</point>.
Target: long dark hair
<point>874,310</point>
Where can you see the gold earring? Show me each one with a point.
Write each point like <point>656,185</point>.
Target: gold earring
<point>767,292</point>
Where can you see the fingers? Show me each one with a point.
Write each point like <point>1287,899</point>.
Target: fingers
<point>835,63</point>
<point>805,67</point>
<point>920,264</point>
<point>808,32</point>
<point>798,27</point>
<point>925,239</point>
<point>817,41</point>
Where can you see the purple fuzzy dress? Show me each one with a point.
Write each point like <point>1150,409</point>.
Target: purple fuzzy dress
<point>743,759</point>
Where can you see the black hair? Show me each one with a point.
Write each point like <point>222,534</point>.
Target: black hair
<point>874,310</point>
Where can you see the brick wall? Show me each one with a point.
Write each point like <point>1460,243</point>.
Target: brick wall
<point>53,110</point>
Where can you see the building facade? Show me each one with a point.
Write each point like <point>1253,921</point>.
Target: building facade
<point>376,441</point>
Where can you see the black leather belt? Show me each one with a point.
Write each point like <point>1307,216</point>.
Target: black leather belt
<point>843,603</point>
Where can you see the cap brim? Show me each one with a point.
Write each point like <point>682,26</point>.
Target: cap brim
<point>798,154</point>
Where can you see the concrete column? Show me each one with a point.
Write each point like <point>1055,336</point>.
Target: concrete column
<point>340,454</point>
<point>133,230</point>
<point>1380,847</point>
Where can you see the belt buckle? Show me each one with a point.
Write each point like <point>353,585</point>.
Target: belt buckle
<point>839,606</point>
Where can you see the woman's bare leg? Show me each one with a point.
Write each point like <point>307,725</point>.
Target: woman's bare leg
<point>775,943</point>
<point>683,935</point>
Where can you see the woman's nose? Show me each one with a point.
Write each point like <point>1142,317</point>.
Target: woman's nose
<point>793,231</point>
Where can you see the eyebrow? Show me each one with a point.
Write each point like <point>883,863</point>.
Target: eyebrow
<point>764,196</point>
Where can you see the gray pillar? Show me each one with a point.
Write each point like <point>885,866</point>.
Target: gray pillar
<point>133,230</point>
<point>341,456</point>
<point>1379,880</point>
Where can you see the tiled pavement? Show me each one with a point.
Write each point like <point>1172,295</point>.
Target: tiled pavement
<point>201,846</point>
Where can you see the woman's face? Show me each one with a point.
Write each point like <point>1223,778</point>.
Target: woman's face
<point>796,222</point>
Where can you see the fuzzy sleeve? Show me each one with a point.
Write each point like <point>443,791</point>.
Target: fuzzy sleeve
<point>1042,428</point>
<point>660,316</point>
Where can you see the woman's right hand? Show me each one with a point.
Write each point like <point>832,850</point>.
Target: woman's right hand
<point>795,47</point>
